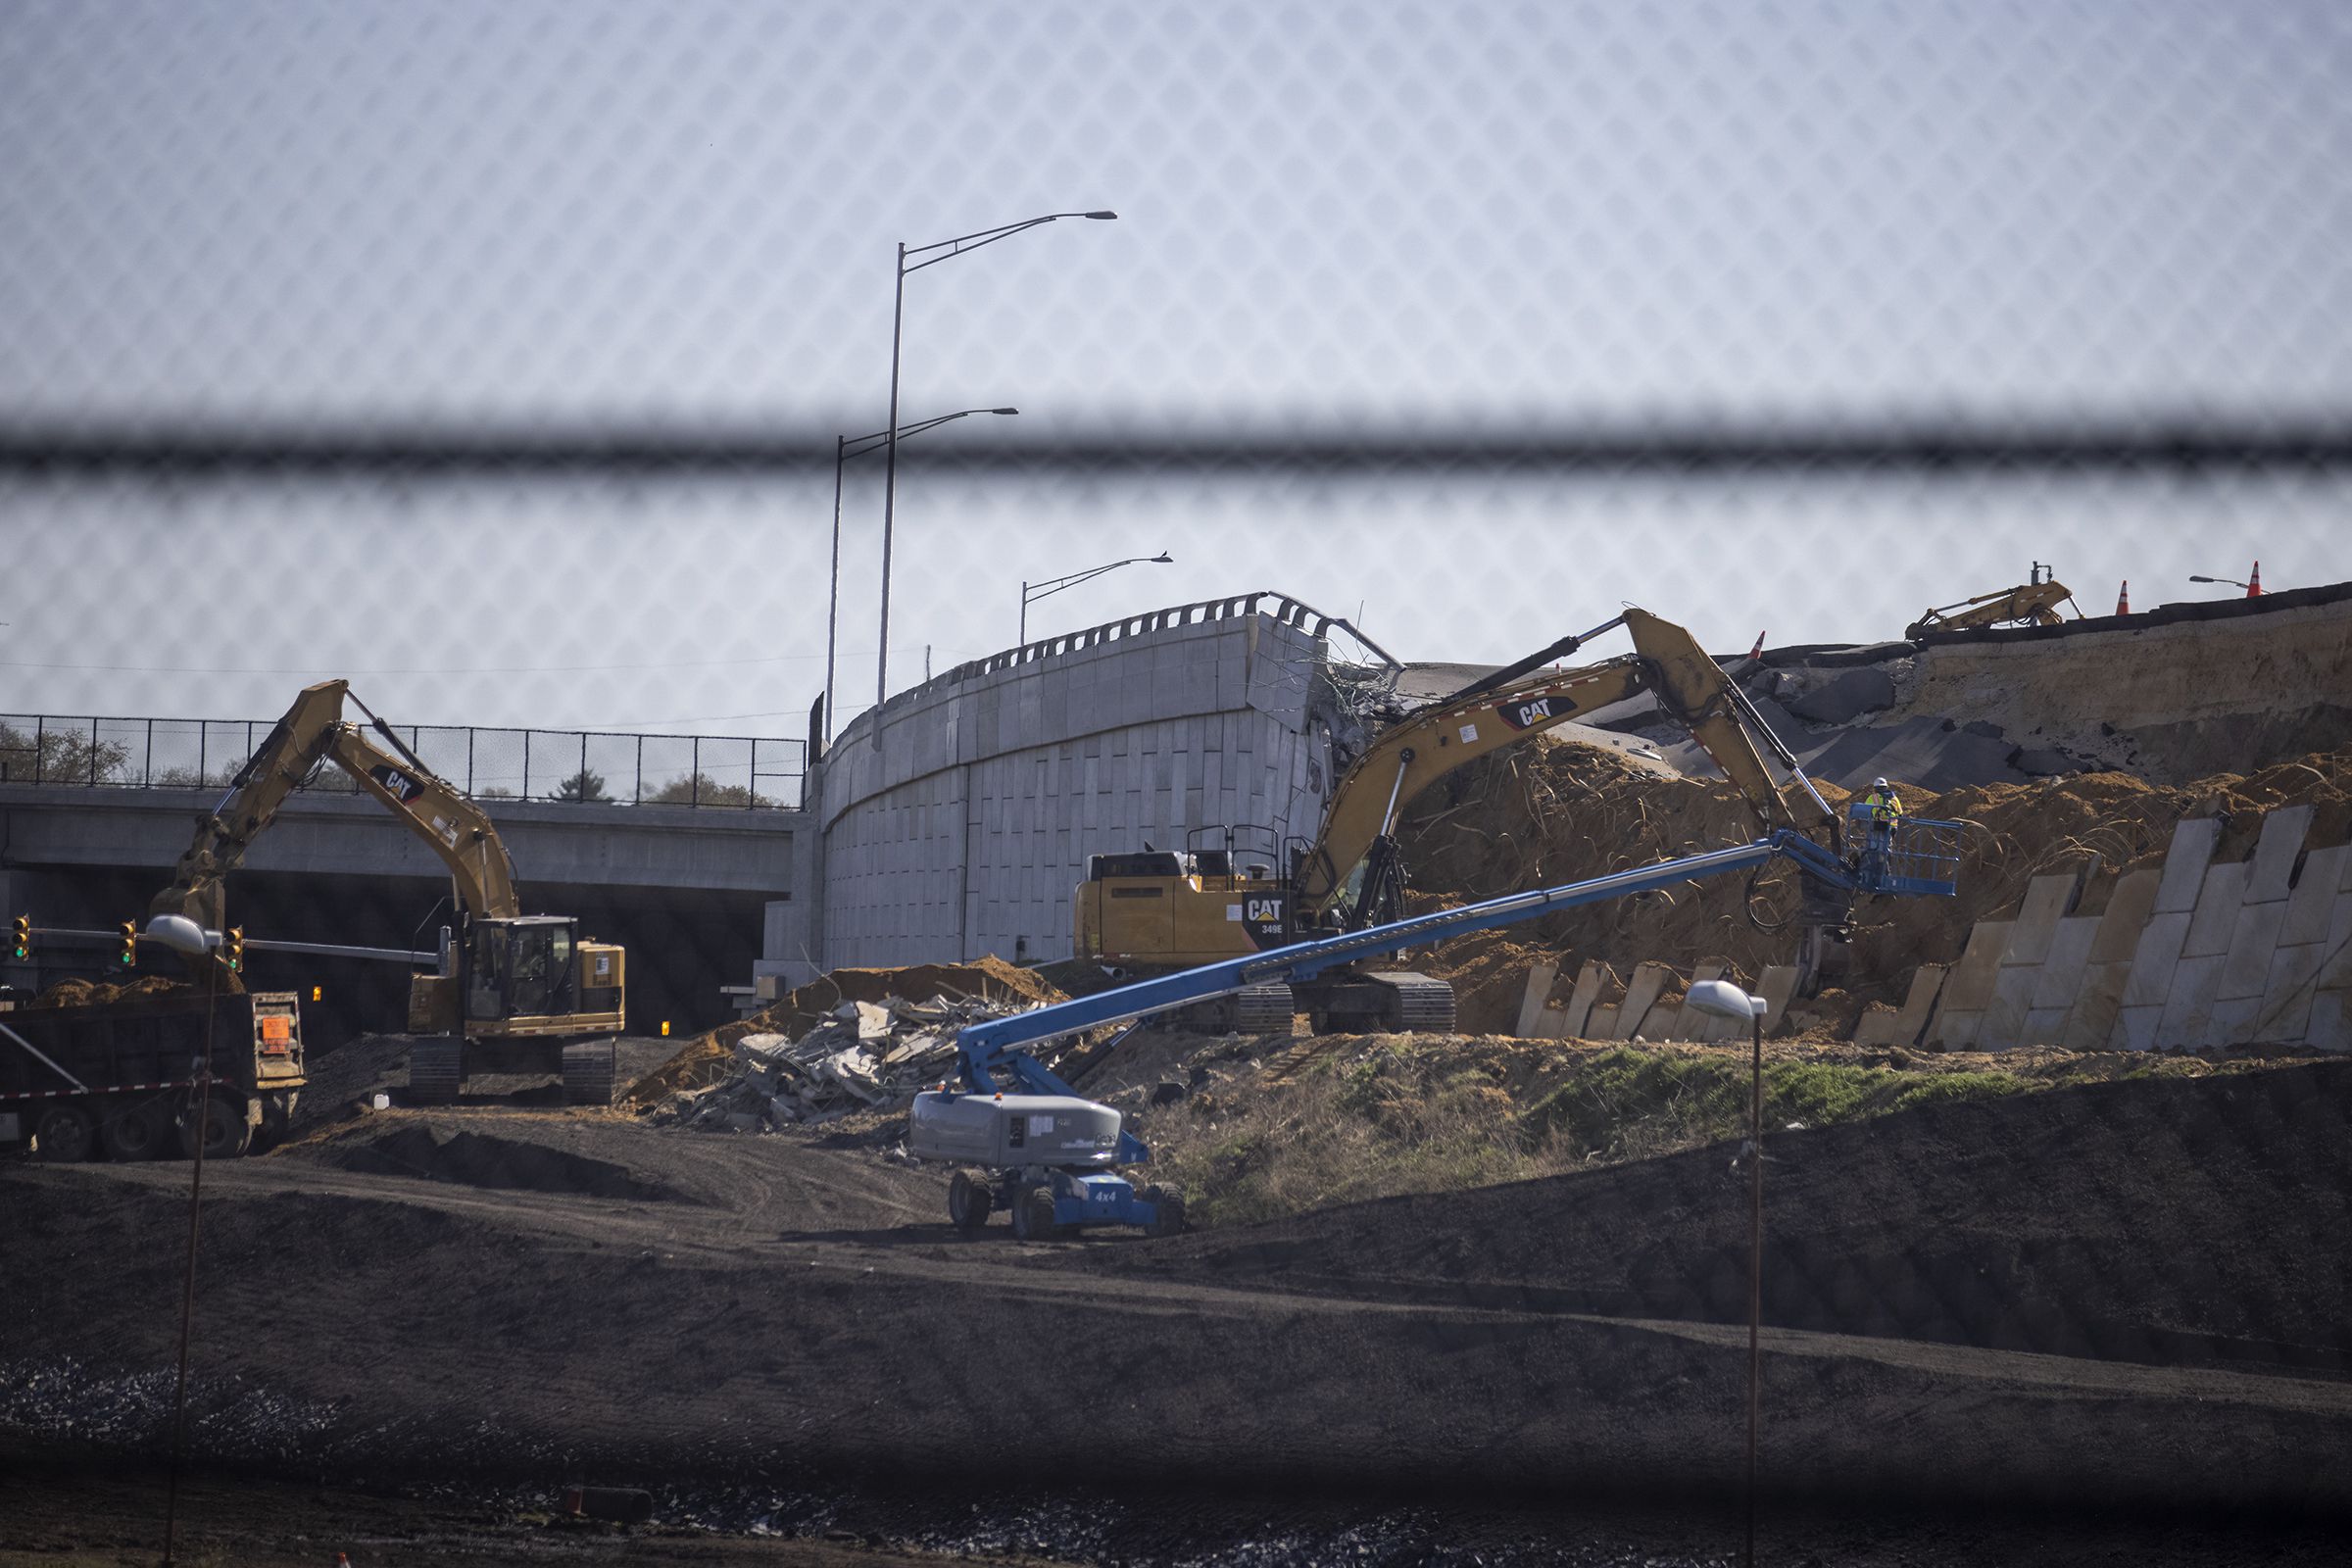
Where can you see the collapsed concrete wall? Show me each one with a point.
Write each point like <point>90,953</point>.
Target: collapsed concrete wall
<point>957,821</point>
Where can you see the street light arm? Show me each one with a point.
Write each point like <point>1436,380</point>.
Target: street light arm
<point>963,243</point>
<point>1054,585</point>
<point>857,446</point>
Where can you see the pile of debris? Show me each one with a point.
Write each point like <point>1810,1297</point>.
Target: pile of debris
<point>865,1055</point>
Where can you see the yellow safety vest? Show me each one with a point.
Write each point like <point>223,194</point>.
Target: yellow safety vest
<point>1883,807</point>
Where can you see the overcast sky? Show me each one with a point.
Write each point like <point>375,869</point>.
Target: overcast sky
<point>1391,216</point>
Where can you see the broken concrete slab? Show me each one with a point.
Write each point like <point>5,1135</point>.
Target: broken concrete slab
<point>1776,985</point>
<point>2214,920</point>
<point>2047,901</point>
<point>1919,1003</point>
<point>2091,1023</point>
<point>1539,977</point>
<point>2138,1028</point>
<point>1641,997</point>
<point>2283,831</point>
<point>1845,697</point>
<point>2313,901</point>
<point>2155,958</point>
<point>2246,967</point>
<point>1970,985</point>
<point>2185,863</point>
<point>1876,1027</point>
<point>1687,1022</point>
<point>2128,905</point>
<point>1591,981</point>
<point>1602,1023</point>
<point>1955,1028</point>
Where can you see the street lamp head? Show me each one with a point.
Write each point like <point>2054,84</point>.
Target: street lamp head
<point>2193,577</point>
<point>1103,215</point>
<point>1725,1000</point>
<point>178,933</point>
<point>1163,558</point>
<point>1004,410</point>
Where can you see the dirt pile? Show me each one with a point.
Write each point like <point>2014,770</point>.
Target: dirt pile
<point>483,1159</point>
<point>708,1058</point>
<point>1560,813</point>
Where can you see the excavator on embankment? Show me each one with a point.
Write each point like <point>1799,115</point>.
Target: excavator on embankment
<point>1157,911</point>
<point>514,993</point>
<point>2031,603</point>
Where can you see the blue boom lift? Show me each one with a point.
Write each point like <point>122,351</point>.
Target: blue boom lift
<point>1025,1141</point>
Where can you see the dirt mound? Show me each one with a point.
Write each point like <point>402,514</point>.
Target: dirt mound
<point>984,979</point>
<point>1561,813</point>
<point>2186,1219</point>
<point>104,993</point>
<point>483,1159</point>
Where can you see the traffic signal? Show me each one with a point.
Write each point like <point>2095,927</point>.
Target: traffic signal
<point>232,946</point>
<point>20,942</point>
<point>129,955</point>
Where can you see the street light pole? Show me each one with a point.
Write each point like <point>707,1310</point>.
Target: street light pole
<point>1054,585</point>
<point>933,254</point>
<point>1723,999</point>
<point>841,453</point>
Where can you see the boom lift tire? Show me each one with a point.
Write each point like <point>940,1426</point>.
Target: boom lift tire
<point>65,1135</point>
<point>591,1072</point>
<point>1169,1201</point>
<point>219,1123</point>
<point>434,1072</point>
<point>1033,1214</point>
<point>134,1130</point>
<point>970,1199</point>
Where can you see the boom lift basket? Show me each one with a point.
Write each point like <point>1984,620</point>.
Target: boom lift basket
<point>1913,855</point>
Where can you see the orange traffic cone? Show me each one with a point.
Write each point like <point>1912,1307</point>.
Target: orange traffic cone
<point>2254,583</point>
<point>2122,598</point>
<point>1757,652</point>
<point>342,1559</point>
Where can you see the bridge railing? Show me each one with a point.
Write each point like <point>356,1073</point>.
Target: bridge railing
<point>738,773</point>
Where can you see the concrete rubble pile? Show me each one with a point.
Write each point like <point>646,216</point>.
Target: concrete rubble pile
<point>865,1055</point>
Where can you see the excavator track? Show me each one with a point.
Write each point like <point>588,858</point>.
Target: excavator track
<point>1416,1004</point>
<point>1250,1010</point>
<point>591,1072</point>
<point>436,1069</point>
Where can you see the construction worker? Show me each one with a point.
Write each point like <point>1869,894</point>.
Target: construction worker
<point>1885,804</point>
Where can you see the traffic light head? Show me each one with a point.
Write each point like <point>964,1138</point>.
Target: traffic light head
<point>19,939</point>
<point>129,955</point>
<point>232,946</point>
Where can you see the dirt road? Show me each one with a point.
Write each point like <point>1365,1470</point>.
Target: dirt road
<point>502,1297</point>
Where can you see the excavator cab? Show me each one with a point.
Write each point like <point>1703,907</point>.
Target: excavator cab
<point>521,968</point>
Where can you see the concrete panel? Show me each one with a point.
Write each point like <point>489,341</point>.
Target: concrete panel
<point>1919,1003</point>
<point>2128,905</point>
<point>1539,977</point>
<point>2287,1000</point>
<point>2004,1024</point>
<point>1641,997</point>
<point>2185,863</point>
<point>1776,985</point>
<point>2232,1022</point>
<point>1591,981</point>
<point>2037,915</point>
<point>2043,1026</point>
<point>2138,1028</point>
<point>1602,1025</point>
<point>2062,972</point>
<point>1876,1026</point>
<point>2215,922</point>
<point>2246,968</point>
<point>1955,1028</point>
<point>2155,957</point>
<point>2090,1025</point>
<point>2331,1021</point>
<point>2188,1024</point>
<point>2282,830</point>
<point>1687,1022</point>
<point>2313,901</point>
<point>1969,986</point>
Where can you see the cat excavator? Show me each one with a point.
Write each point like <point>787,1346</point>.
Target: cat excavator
<point>2031,603</point>
<point>514,993</point>
<point>1155,912</point>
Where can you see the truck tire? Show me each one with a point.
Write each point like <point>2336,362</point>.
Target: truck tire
<point>1033,1214</point>
<point>591,1072</point>
<point>133,1129</point>
<point>435,1070</point>
<point>970,1199</point>
<point>222,1125</point>
<point>65,1135</point>
<point>1169,1201</point>
<point>277,1114</point>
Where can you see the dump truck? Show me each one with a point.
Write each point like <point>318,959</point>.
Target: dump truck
<point>125,1079</point>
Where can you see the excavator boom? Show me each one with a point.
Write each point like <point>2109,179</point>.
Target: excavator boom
<point>315,731</point>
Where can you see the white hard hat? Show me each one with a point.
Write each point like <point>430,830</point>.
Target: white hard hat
<point>1878,783</point>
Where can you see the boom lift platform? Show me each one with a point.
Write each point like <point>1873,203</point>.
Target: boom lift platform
<point>1027,1141</point>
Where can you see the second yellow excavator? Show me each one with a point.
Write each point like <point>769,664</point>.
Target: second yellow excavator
<point>1157,911</point>
<point>2031,603</point>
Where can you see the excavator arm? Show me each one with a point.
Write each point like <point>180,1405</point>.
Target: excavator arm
<point>1512,706</point>
<point>312,732</point>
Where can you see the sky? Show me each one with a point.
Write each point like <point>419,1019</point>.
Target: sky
<point>1332,217</point>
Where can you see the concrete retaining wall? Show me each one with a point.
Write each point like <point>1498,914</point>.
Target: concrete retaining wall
<point>957,821</point>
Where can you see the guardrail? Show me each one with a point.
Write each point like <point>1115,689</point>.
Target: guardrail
<point>738,773</point>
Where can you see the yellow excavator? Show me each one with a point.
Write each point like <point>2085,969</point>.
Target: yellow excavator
<point>1160,909</point>
<point>511,990</point>
<point>2031,603</point>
